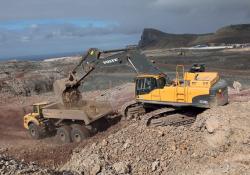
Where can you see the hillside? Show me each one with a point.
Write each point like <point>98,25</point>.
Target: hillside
<point>152,38</point>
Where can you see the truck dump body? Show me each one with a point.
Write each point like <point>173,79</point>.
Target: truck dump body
<point>89,112</point>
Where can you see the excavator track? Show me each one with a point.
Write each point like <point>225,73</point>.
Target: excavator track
<point>173,120</point>
<point>146,119</point>
<point>166,117</point>
<point>160,117</point>
<point>132,109</point>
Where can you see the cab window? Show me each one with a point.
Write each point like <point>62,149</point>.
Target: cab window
<point>145,85</point>
<point>35,109</point>
<point>161,82</point>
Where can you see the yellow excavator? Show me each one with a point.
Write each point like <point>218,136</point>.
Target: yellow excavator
<point>155,93</point>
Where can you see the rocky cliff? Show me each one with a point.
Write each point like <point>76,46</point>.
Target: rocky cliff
<point>152,38</point>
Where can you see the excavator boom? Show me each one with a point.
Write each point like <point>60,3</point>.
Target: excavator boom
<point>67,89</point>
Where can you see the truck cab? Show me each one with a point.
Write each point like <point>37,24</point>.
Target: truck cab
<point>32,121</point>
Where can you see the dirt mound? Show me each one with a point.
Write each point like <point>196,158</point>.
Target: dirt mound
<point>217,143</point>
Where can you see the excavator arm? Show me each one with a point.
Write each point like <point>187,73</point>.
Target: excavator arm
<point>67,89</point>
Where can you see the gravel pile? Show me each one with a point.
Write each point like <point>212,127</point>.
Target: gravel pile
<point>10,166</point>
<point>217,143</point>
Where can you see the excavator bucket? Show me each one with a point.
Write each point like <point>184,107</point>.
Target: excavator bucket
<point>70,97</point>
<point>66,90</point>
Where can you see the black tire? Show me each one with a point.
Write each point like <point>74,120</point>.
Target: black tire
<point>101,124</point>
<point>79,133</point>
<point>35,131</point>
<point>63,134</point>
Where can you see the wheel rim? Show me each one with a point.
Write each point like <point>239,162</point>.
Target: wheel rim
<point>77,137</point>
<point>32,132</point>
<point>62,136</point>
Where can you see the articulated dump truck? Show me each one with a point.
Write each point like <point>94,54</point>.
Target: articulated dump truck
<point>69,124</point>
<point>74,118</point>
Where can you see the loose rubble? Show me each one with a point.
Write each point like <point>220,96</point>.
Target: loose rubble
<point>217,143</point>
<point>10,166</point>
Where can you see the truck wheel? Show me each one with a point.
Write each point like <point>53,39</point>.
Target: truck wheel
<point>35,131</point>
<point>79,133</point>
<point>63,134</point>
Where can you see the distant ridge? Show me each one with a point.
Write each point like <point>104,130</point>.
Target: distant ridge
<point>40,57</point>
<point>152,38</point>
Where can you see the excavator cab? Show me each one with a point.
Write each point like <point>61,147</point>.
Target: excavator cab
<point>147,83</point>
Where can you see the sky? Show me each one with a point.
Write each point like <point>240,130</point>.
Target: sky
<point>36,27</point>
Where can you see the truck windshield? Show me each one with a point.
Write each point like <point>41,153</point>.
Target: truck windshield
<point>35,109</point>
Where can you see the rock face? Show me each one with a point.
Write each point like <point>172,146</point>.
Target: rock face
<point>217,143</point>
<point>152,38</point>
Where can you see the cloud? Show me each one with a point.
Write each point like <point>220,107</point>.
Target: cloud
<point>179,16</point>
<point>28,30</point>
<point>65,45</point>
<point>56,20</point>
<point>34,26</point>
<point>25,38</point>
<point>133,13</point>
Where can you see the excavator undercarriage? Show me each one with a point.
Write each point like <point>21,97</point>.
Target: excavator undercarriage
<point>160,116</point>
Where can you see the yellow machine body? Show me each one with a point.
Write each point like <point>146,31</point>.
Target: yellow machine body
<point>200,89</point>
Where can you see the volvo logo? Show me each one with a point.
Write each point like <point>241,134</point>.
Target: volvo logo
<point>113,60</point>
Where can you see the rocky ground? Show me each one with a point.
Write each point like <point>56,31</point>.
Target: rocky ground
<point>217,143</point>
